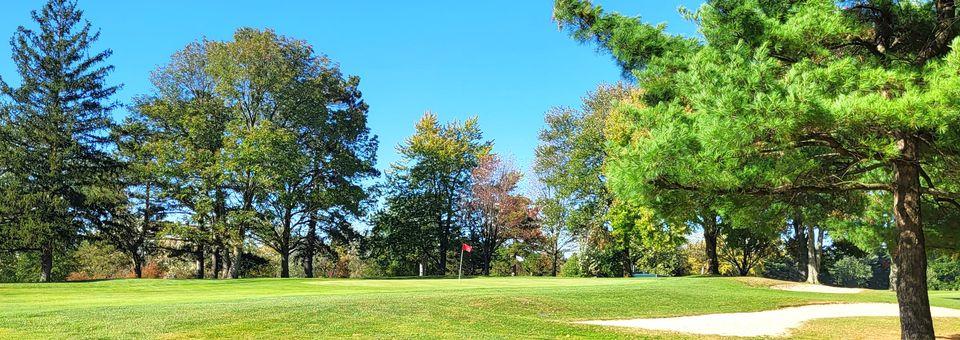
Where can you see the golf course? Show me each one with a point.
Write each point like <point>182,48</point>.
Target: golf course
<point>588,169</point>
<point>525,307</point>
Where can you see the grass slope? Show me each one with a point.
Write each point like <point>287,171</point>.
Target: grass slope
<point>472,308</point>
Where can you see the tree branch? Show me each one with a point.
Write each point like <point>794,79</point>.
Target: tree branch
<point>780,190</point>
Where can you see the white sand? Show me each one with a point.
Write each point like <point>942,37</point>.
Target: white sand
<point>768,323</point>
<point>811,288</point>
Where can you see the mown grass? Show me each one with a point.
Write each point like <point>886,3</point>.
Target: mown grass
<point>408,308</point>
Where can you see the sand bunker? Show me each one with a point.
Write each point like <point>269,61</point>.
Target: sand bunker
<point>768,323</point>
<point>811,288</point>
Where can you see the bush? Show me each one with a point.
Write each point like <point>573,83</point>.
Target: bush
<point>850,271</point>
<point>99,260</point>
<point>152,270</point>
<point>178,267</point>
<point>571,268</point>
<point>257,265</point>
<point>666,261</point>
<point>600,261</point>
<point>781,267</point>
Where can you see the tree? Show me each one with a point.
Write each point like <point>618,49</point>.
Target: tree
<point>797,97</point>
<point>256,75</point>
<point>638,230</point>
<point>57,159</point>
<point>500,211</point>
<point>405,231</point>
<point>133,227</point>
<point>262,137</point>
<point>436,168</point>
<point>744,248</point>
<point>571,155</point>
<point>557,237</point>
<point>569,163</point>
<point>341,155</point>
<point>189,123</point>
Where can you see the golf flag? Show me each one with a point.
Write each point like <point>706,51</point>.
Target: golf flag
<point>463,248</point>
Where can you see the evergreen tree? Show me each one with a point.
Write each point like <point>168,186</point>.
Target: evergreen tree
<point>58,163</point>
<point>789,97</point>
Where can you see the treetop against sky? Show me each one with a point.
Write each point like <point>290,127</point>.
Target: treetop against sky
<point>504,61</point>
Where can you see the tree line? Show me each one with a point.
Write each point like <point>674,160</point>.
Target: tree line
<point>259,139</point>
<point>248,157</point>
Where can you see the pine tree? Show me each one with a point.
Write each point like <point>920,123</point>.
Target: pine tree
<point>57,131</point>
<point>782,98</point>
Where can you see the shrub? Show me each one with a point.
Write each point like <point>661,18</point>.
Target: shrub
<point>258,265</point>
<point>781,267</point>
<point>571,268</point>
<point>850,271</point>
<point>153,270</point>
<point>600,261</point>
<point>665,261</point>
<point>99,260</point>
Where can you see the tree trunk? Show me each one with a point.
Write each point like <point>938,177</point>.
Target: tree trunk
<point>745,262</point>
<point>627,265</point>
<point>813,259</point>
<point>237,248</point>
<point>201,257</point>
<point>285,243</point>
<point>556,257</point>
<point>235,253</point>
<point>227,263</point>
<point>310,246</point>
<point>285,264</point>
<point>487,258</point>
<point>138,267</point>
<point>217,262</point>
<point>137,259</point>
<point>710,235</point>
<point>46,262</point>
<point>803,248</point>
<point>444,243</point>
<point>911,259</point>
<point>894,280</point>
<point>221,260</point>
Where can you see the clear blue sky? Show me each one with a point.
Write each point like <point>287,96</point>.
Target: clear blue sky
<point>504,61</point>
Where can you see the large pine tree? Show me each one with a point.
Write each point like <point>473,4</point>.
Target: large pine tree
<point>56,133</point>
<point>786,98</point>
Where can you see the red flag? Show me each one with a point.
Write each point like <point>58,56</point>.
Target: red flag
<point>467,248</point>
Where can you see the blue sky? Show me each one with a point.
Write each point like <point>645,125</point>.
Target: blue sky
<point>504,61</point>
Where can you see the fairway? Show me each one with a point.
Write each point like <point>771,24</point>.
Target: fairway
<point>428,308</point>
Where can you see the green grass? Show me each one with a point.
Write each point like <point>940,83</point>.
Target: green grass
<point>406,308</point>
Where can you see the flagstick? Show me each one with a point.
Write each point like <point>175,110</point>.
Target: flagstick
<point>460,271</point>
